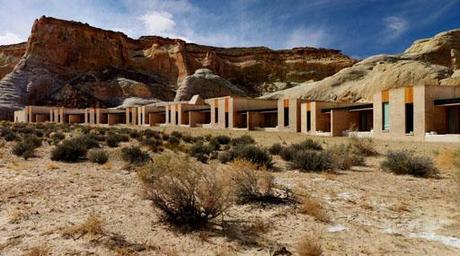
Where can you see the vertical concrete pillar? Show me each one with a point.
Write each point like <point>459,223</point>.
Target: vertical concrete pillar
<point>397,113</point>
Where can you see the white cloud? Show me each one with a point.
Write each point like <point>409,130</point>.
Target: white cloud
<point>311,36</point>
<point>158,23</point>
<point>395,27</point>
<point>9,38</point>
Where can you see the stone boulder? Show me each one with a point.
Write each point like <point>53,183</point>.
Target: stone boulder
<point>207,85</point>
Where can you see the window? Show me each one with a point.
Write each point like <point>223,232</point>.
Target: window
<point>308,121</point>
<point>286,117</point>
<point>409,118</point>
<point>386,116</point>
<point>177,118</point>
<point>226,120</point>
<point>216,115</point>
<point>169,116</point>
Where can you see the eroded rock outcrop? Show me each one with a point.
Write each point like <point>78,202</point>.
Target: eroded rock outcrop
<point>207,85</point>
<point>67,60</point>
<point>9,57</point>
<point>427,62</point>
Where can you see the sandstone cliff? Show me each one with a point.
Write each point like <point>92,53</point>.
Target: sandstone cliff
<point>427,62</point>
<point>9,57</point>
<point>76,65</point>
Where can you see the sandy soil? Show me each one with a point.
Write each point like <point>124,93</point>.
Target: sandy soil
<point>372,212</point>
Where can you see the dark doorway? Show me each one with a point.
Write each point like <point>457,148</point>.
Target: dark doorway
<point>169,116</point>
<point>308,121</point>
<point>226,120</point>
<point>216,115</point>
<point>177,118</point>
<point>286,117</point>
<point>453,120</point>
<point>366,120</point>
<point>409,118</point>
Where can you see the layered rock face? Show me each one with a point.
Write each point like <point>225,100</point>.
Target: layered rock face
<point>207,85</point>
<point>433,61</point>
<point>9,57</point>
<point>76,65</point>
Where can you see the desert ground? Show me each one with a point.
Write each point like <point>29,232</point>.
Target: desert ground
<point>364,210</point>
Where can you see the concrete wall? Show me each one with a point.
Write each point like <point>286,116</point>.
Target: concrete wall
<point>294,106</point>
<point>116,118</point>
<point>131,115</point>
<point>343,120</point>
<point>254,119</point>
<point>75,118</point>
<point>196,118</point>
<point>156,118</point>
<point>20,116</point>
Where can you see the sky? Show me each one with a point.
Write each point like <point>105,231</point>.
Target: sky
<point>359,28</point>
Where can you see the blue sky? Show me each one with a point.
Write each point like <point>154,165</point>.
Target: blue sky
<point>359,28</point>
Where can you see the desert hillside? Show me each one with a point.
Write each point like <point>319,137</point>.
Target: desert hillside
<point>76,65</point>
<point>432,61</point>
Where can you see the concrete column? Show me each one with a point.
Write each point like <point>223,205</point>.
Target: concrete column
<point>397,113</point>
<point>280,106</point>
<point>254,120</point>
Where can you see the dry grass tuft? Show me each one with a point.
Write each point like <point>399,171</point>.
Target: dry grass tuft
<point>17,215</point>
<point>40,250</point>
<point>445,160</point>
<point>309,245</point>
<point>52,166</point>
<point>259,226</point>
<point>313,207</point>
<point>93,225</point>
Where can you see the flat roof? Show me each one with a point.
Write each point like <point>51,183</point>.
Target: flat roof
<point>447,102</point>
<point>357,107</point>
<point>262,110</point>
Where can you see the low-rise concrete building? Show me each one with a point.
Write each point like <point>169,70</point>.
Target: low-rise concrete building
<point>105,116</point>
<point>242,113</point>
<point>33,114</point>
<point>430,113</point>
<point>192,113</point>
<point>152,114</point>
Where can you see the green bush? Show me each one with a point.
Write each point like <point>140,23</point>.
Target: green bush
<point>176,134</point>
<point>406,162</point>
<point>99,156</point>
<point>253,154</point>
<point>69,150</point>
<point>220,139</point>
<point>275,149</point>
<point>153,144</point>
<point>286,153</point>
<point>310,160</point>
<point>134,155</point>
<point>33,139</point>
<point>24,149</point>
<point>187,138</point>
<point>173,140</point>
<point>113,139</point>
<point>243,140</point>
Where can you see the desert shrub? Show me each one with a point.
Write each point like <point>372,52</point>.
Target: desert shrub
<point>220,139</point>
<point>133,134</point>
<point>173,140</point>
<point>364,146</point>
<point>200,151</point>
<point>89,141</point>
<point>243,140</point>
<point>24,149</point>
<point>310,144</point>
<point>69,150</point>
<point>113,139</point>
<point>57,137</point>
<point>39,250</point>
<point>184,194</point>
<point>176,134</point>
<point>134,155</point>
<point>309,245</point>
<point>252,186</point>
<point>275,149</point>
<point>313,207</point>
<point>187,138</point>
<point>33,139</point>
<point>253,154</point>
<point>99,156</point>
<point>310,160</point>
<point>165,136</point>
<point>8,134</point>
<point>288,152</point>
<point>225,156</point>
<point>344,156</point>
<point>406,162</point>
<point>153,144</point>
<point>93,225</point>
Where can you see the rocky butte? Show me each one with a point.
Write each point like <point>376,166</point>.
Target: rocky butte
<point>75,65</point>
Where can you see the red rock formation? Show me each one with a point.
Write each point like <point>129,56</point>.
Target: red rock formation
<point>9,57</point>
<point>61,52</point>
